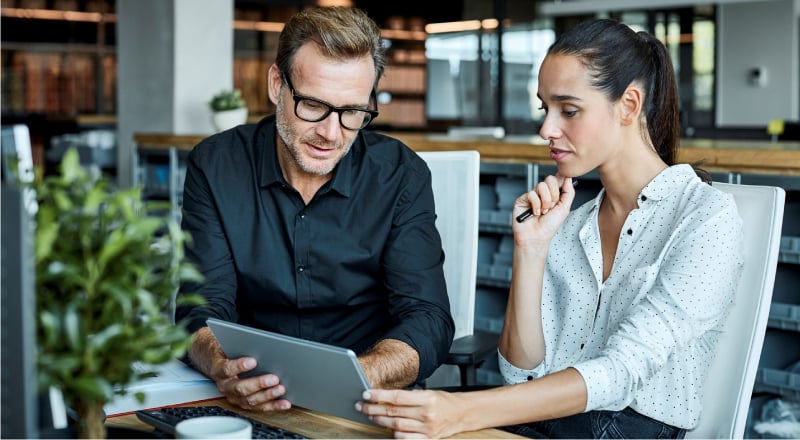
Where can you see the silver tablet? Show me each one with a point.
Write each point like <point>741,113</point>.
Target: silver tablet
<point>317,376</point>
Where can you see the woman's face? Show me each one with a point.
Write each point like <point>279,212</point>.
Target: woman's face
<point>580,122</point>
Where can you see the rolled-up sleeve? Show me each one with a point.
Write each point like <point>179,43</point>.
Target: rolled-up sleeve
<point>414,275</point>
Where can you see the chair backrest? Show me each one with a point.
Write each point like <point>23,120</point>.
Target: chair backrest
<point>729,386</point>
<point>456,176</point>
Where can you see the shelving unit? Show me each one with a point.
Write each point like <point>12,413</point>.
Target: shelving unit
<point>778,374</point>
<point>59,68</point>
<point>401,91</point>
<point>59,62</point>
<point>75,73</point>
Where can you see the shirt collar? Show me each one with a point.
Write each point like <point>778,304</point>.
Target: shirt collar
<point>270,172</point>
<point>665,182</point>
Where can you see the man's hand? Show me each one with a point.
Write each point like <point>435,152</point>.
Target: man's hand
<point>261,393</point>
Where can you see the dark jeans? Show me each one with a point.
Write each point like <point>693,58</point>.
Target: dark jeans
<point>599,424</point>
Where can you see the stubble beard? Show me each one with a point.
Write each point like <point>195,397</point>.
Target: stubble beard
<point>291,139</point>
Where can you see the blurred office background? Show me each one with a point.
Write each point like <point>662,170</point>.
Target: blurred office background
<point>474,63</point>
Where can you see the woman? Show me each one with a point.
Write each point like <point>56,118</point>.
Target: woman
<point>614,308</point>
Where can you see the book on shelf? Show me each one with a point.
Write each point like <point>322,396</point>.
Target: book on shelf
<point>174,383</point>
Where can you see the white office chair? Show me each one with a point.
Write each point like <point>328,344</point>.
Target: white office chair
<point>456,176</point>
<point>729,386</point>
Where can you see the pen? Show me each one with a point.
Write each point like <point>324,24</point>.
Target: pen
<point>529,212</point>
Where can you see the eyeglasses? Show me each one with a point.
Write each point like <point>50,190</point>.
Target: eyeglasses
<point>313,110</point>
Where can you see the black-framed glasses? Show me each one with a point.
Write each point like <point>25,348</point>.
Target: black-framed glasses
<point>313,110</point>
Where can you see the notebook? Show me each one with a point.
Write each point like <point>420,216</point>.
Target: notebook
<point>316,376</point>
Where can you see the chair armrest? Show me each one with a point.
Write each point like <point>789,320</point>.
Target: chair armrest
<point>472,349</point>
<point>469,352</point>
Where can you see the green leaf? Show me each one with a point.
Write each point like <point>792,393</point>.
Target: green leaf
<point>72,326</point>
<point>101,338</point>
<point>71,166</point>
<point>94,388</point>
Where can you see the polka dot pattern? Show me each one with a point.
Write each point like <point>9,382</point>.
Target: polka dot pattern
<point>645,337</point>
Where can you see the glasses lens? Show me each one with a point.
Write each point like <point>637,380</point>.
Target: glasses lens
<point>310,110</point>
<point>354,119</point>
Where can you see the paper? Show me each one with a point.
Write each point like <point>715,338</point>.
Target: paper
<point>175,383</point>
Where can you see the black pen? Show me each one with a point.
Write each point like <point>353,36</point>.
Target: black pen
<point>529,212</point>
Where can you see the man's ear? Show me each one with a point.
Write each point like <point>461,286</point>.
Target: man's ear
<point>274,82</point>
<point>631,104</point>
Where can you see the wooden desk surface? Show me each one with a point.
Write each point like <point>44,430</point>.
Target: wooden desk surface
<point>307,422</point>
<point>744,156</point>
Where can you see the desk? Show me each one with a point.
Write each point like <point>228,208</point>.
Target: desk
<point>309,423</point>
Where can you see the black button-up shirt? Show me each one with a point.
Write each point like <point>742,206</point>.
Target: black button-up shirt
<point>361,262</point>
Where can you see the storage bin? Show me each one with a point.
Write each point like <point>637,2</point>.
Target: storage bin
<point>505,252</point>
<point>790,250</point>
<point>778,371</point>
<point>490,306</point>
<point>508,189</point>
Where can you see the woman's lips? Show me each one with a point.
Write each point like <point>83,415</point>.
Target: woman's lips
<point>556,154</point>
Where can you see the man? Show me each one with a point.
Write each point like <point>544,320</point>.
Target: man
<point>306,225</point>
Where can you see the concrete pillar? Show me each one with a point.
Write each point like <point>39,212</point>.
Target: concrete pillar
<point>172,57</point>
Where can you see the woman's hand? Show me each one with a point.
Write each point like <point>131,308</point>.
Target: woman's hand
<point>415,413</point>
<point>540,212</point>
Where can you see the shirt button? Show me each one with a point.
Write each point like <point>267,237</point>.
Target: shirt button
<point>644,198</point>
<point>630,231</point>
<point>529,378</point>
<point>302,216</point>
<point>301,268</point>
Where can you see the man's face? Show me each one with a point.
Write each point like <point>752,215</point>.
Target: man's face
<point>316,147</point>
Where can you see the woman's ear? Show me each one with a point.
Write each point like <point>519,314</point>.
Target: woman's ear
<point>274,82</point>
<point>631,104</point>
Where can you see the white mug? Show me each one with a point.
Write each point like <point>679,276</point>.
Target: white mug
<point>214,427</point>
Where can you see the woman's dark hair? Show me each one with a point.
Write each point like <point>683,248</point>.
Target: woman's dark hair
<point>616,56</point>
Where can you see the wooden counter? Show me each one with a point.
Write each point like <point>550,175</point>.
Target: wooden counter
<point>743,156</point>
<point>718,155</point>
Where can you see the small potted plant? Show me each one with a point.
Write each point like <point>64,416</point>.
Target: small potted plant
<point>228,109</point>
<point>107,270</point>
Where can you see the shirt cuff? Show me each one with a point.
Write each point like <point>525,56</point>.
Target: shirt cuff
<point>512,374</point>
<point>597,382</point>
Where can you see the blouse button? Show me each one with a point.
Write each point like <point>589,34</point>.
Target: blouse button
<point>630,231</point>
<point>529,378</point>
<point>581,346</point>
<point>644,198</point>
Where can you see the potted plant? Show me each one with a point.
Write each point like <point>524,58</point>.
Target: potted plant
<point>107,270</point>
<point>228,109</point>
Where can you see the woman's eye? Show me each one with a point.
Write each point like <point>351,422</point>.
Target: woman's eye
<point>570,113</point>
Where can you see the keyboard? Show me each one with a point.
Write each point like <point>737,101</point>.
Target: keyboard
<point>165,419</point>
